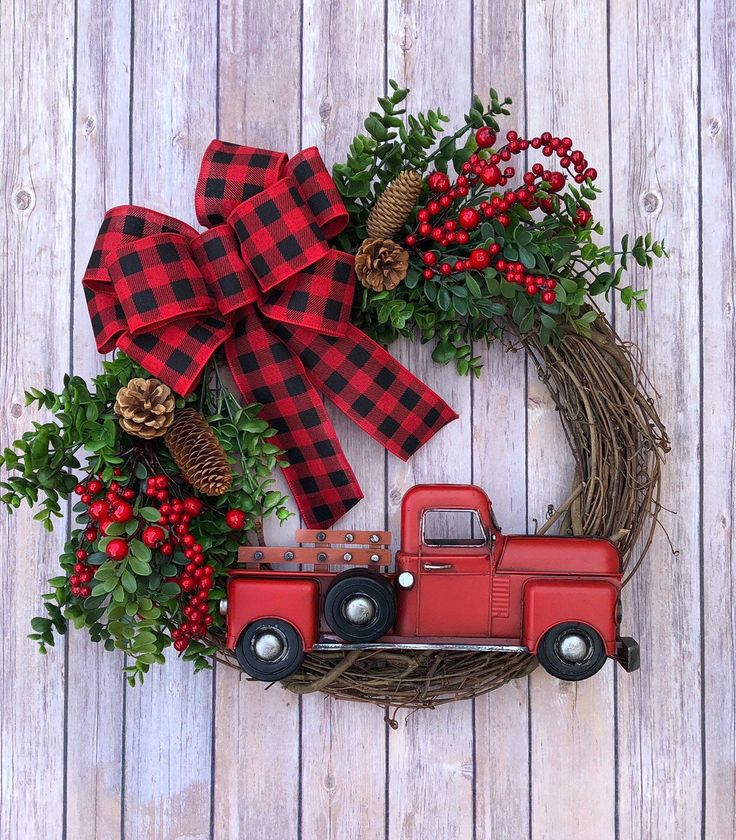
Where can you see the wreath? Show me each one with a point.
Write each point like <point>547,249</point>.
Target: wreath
<point>177,469</point>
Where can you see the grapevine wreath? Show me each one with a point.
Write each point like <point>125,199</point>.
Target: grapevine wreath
<point>227,340</point>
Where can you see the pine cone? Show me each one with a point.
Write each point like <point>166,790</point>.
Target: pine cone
<point>381,264</point>
<point>198,453</point>
<point>145,408</point>
<point>394,205</point>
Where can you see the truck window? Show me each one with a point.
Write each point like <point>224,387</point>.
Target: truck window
<point>455,528</point>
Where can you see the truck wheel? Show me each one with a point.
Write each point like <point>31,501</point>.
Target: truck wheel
<point>269,649</point>
<point>571,652</point>
<point>360,608</point>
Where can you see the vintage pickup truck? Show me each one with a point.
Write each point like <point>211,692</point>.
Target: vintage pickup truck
<point>458,583</point>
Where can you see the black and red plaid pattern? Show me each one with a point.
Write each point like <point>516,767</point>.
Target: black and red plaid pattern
<point>278,234</point>
<point>319,191</point>
<point>265,371</point>
<point>217,255</point>
<point>324,305</point>
<point>229,175</point>
<point>156,281</point>
<point>376,392</point>
<point>267,285</point>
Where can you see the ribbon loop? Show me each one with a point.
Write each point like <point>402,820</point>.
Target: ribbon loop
<point>278,234</point>
<point>156,280</point>
<point>263,281</point>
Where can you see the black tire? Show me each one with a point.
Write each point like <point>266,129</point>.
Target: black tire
<point>583,646</point>
<point>260,667</point>
<point>373,607</point>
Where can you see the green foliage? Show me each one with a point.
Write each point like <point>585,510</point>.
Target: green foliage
<point>135,604</point>
<point>453,312</point>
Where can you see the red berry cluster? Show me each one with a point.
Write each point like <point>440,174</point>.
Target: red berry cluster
<point>196,580</point>
<point>83,574</point>
<point>436,225</point>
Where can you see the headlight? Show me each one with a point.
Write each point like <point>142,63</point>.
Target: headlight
<point>406,580</point>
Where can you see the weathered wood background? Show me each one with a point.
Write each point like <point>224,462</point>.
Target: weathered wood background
<point>110,102</point>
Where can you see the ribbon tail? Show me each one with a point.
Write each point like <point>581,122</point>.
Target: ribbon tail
<point>371,387</point>
<point>319,476</point>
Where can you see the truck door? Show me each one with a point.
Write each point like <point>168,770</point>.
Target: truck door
<point>454,575</point>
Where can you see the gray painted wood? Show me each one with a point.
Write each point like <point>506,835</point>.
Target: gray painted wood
<point>647,755</point>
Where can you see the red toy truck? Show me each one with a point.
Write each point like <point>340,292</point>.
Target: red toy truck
<point>458,584</point>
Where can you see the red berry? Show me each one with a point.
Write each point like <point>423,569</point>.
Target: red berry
<point>235,518</point>
<point>423,215</point>
<point>105,524</point>
<point>80,489</point>
<point>532,289</point>
<point>445,269</point>
<point>122,512</point>
<point>491,175</point>
<point>129,494</point>
<point>162,495</point>
<point>556,181</point>
<point>438,182</point>
<point>167,549</point>
<point>583,216</point>
<point>425,229</point>
<point>181,644</point>
<point>86,498</point>
<point>187,583</point>
<point>90,534</point>
<point>99,509</point>
<point>504,220</point>
<point>153,536</point>
<point>434,208</point>
<point>463,237</point>
<point>94,486</point>
<point>117,549</point>
<point>548,297</point>
<point>469,218</point>
<point>484,137</point>
<point>81,554</point>
<point>161,482</point>
<point>117,471</point>
<point>479,258</point>
<point>429,257</point>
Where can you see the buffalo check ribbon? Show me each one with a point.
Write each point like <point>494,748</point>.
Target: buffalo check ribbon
<point>263,281</point>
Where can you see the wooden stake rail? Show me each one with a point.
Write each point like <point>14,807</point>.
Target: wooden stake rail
<point>323,556</point>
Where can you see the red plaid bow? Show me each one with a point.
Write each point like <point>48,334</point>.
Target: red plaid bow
<point>264,280</point>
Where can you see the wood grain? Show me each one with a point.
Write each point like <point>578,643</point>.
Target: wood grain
<point>168,736</point>
<point>95,683</point>
<point>36,186</point>
<point>718,269</point>
<point>572,724</point>
<point>257,737</point>
<point>655,140</point>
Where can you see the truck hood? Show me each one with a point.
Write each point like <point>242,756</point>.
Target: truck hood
<point>565,555</point>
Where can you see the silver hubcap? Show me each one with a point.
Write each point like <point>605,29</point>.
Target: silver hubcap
<point>359,609</point>
<point>269,645</point>
<point>574,648</point>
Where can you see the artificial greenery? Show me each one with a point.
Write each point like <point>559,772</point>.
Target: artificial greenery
<point>136,603</point>
<point>549,240</point>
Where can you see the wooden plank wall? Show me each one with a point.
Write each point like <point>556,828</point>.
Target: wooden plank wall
<point>109,101</point>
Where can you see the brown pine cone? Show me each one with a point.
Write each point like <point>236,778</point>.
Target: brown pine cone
<point>394,205</point>
<point>381,264</point>
<point>145,408</point>
<point>198,453</point>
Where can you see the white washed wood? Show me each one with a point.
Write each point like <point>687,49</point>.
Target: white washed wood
<point>655,187</point>
<point>168,720</point>
<point>257,736</point>
<point>718,92</point>
<point>499,466</point>
<point>343,745</point>
<point>572,724</point>
<point>35,260</point>
<point>431,753</point>
<point>95,683</point>
<point>430,781</point>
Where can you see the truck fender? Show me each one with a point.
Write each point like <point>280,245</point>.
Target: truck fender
<point>547,603</point>
<point>294,600</point>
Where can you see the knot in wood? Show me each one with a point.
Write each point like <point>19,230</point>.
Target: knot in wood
<point>88,126</point>
<point>651,202</point>
<point>23,199</point>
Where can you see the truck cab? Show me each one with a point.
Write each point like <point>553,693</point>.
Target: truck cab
<point>459,583</point>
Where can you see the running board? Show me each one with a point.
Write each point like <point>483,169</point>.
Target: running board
<point>419,646</point>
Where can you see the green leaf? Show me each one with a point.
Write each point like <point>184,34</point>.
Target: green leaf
<point>128,581</point>
<point>140,567</point>
<point>150,514</point>
<point>472,285</point>
<point>443,353</point>
<point>140,551</point>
